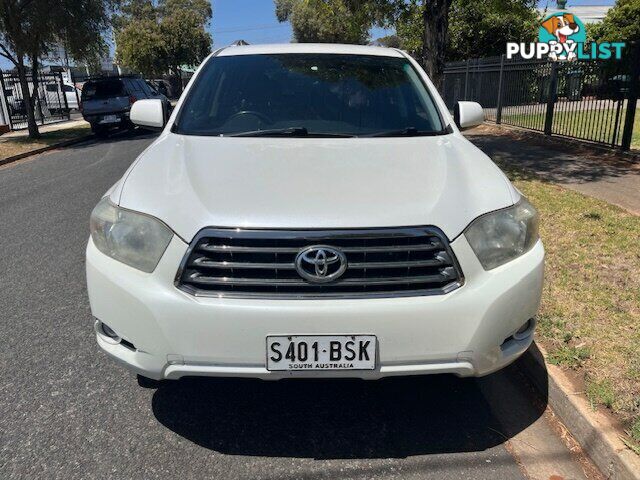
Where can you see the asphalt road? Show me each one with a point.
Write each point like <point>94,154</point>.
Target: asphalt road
<point>66,411</point>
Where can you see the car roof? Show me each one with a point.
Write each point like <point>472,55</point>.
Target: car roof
<point>329,48</point>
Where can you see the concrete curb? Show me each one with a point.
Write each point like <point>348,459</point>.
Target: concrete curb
<point>593,430</point>
<point>66,143</point>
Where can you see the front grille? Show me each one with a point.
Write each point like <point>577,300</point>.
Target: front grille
<point>382,262</point>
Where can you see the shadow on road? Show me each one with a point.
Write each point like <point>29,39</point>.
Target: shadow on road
<point>337,419</point>
<point>116,136</point>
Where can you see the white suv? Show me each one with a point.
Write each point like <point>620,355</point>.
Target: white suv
<point>313,211</point>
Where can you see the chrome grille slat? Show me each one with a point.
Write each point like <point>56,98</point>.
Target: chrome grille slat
<point>381,262</point>
<point>199,278</point>
<point>395,248</point>
<point>231,249</point>
<point>407,264</point>
<point>204,262</point>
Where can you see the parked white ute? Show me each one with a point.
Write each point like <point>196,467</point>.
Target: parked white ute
<point>313,211</point>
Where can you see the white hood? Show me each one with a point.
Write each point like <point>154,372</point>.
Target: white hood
<point>298,183</point>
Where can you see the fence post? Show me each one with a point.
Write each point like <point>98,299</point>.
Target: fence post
<point>633,98</point>
<point>73,82</point>
<point>466,80</point>
<point>4,102</point>
<point>499,104</point>
<point>551,101</point>
<point>64,96</point>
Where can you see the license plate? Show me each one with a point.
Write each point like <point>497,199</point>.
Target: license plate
<point>321,352</point>
<point>110,119</point>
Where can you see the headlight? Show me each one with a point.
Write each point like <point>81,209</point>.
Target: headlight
<point>501,236</point>
<point>132,238</point>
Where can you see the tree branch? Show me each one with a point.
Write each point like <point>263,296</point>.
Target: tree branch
<point>6,54</point>
<point>24,5</point>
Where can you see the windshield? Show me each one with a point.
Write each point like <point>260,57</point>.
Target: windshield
<point>102,89</point>
<point>309,94</point>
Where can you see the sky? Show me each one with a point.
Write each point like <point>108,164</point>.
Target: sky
<point>255,22</point>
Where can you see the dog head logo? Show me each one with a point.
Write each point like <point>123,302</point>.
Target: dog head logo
<point>563,28</point>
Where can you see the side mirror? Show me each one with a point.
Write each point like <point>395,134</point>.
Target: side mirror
<point>148,113</point>
<point>467,115</point>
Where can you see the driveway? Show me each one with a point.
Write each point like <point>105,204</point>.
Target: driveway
<point>68,412</point>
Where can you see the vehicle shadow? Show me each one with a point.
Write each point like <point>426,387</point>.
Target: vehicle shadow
<point>115,136</point>
<point>347,419</point>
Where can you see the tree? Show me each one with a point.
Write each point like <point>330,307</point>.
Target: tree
<point>157,38</point>
<point>30,29</point>
<point>477,28</point>
<point>390,41</point>
<point>349,21</point>
<point>326,21</point>
<point>481,28</point>
<point>621,24</point>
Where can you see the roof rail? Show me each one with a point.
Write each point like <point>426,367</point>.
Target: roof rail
<point>238,43</point>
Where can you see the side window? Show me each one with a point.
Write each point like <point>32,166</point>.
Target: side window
<point>149,88</point>
<point>146,88</point>
<point>52,87</point>
<point>139,86</point>
<point>133,87</point>
<point>67,88</point>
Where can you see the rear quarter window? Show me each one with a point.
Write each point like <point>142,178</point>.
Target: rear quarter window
<point>103,89</point>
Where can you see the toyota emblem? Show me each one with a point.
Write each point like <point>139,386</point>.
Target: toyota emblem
<point>321,263</point>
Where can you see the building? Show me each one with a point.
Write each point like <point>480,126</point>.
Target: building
<point>586,13</point>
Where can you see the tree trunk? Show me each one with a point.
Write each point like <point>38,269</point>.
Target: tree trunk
<point>35,66</point>
<point>28,103</point>
<point>435,18</point>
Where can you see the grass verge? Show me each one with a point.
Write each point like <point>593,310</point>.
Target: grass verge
<point>594,125</point>
<point>10,146</point>
<point>590,314</point>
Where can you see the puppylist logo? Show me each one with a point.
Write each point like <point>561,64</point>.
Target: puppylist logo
<point>562,36</point>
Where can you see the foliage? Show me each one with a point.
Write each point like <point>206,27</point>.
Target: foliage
<point>391,41</point>
<point>594,31</point>
<point>477,28</point>
<point>31,29</point>
<point>621,24</point>
<point>327,21</point>
<point>481,28</point>
<point>140,47</point>
<point>156,38</point>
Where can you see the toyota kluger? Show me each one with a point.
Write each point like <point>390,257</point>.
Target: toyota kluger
<point>312,211</point>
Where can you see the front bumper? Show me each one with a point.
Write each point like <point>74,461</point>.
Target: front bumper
<point>467,332</point>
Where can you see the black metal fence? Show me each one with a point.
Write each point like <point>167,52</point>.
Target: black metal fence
<point>50,99</point>
<point>586,100</point>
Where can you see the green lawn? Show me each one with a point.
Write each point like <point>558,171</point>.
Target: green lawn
<point>595,125</point>
<point>590,314</point>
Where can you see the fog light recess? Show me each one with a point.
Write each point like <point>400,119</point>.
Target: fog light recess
<point>108,332</point>
<point>525,330</point>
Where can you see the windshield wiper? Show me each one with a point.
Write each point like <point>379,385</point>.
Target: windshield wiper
<point>289,132</point>
<point>411,132</point>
